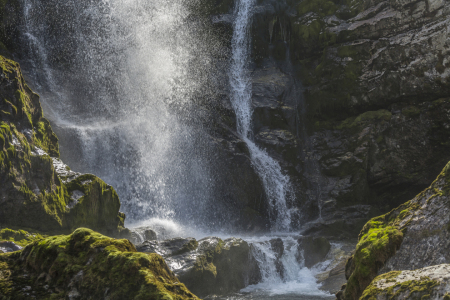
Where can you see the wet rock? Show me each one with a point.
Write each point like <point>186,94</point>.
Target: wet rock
<point>314,249</point>
<point>277,246</point>
<point>150,235</point>
<point>7,246</point>
<point>170,247</point>
<point>207,266</point>
<point>330,273</point>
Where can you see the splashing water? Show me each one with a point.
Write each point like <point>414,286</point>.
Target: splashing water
<point>277,185</point>
<point>120,77</point>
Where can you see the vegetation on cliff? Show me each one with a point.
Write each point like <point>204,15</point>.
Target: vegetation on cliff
<point>87,265</point>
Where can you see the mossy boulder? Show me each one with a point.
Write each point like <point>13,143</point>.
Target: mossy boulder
<point>87,265</point>
<point>38,191</point>
<point>414,235</point>
<point>427,283</point>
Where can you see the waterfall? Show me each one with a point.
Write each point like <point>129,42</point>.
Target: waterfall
<point>116,80</point>
<point>277,185</point>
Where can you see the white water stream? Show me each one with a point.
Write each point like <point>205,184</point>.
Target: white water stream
<point>276,184</point>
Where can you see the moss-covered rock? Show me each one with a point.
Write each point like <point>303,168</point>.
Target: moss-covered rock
<point>19,237</point>
<point>414,235</point>
<point>427,283</point>
<point>87,265</point>
<point>38,191</point>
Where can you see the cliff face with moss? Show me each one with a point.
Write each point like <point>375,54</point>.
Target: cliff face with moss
<point>38,191</point>
<point>413,236</point>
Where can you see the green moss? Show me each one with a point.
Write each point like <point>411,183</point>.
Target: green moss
<point>110,268</point>
<point>191,246</point>
<point>347,51</point>
<point>20,237</point>
<point>46,139</point>
<point>411,111</point>
<point>379,240</point>
<point>369,116</point>
<point>412,289</point>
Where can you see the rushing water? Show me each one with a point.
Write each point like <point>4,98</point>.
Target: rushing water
<point>276,184</point>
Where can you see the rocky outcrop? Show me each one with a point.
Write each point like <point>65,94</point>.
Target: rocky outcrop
<point>208,266</point>
<point>427,283</point>
<point>87,265</point>
<point>414,235</point>
<point>351,98</point>
<point>37,190</point>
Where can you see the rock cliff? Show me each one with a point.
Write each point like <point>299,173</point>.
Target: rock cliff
<point>38,191</point>
<point>351,98</point>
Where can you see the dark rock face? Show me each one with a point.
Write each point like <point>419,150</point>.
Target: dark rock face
<point>37,190</point>
<point>208,266</point>
<point>350,98</point>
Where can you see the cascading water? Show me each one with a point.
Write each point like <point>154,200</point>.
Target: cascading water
<point>276,184</point>
<point>119,106</point>
<point>117,79</point>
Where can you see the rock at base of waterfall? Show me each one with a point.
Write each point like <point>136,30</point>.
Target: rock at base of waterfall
<point>315,249</point>
<point>208,266</point>
<point>38,191</point>
<point>330,273</point>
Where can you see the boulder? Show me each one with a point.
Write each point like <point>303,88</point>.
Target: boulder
<point>87,265</point>
<point>314,249</point>
<point>208,266</point>
<point>427,283</point>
